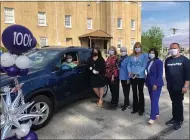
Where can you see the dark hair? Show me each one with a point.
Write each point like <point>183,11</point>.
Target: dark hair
<point>175,43</point>
<point>99,52</point>
<point>155,52</point>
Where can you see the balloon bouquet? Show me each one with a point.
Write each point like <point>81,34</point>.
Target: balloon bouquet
<point>15,120</point>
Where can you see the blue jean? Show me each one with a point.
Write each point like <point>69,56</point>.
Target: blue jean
<point>154,97</point>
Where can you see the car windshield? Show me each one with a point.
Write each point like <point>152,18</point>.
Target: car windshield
<point>40,58</point>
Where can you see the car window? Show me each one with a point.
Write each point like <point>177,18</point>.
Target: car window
<point>84,55</point>
<point>41,58</point>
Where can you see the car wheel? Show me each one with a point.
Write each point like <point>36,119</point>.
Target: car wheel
<point>42,105</point>
<point>105,90</point>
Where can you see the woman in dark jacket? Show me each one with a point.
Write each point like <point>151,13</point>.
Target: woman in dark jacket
<point>96,65</point>
<point>154,82</point>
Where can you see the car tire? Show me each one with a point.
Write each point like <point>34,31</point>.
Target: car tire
<point>105,91</point>
<point>41,100</point>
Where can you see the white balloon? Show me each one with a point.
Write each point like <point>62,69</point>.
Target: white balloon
<point>15,56</point>
<point>22,62</point>
<point>7,60</point>
<point>24,130</point>
<point>10,134</point>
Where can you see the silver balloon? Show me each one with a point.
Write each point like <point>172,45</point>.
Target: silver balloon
<point>14,111</point>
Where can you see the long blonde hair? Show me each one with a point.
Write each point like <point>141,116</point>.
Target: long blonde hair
<point>137,43</point>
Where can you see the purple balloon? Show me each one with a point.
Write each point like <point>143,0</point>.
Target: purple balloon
<point>23,72</point>
<point>1,69</point>
<point>12,71</point>
<point>34,42</point>
<point>18,39</point>
<point>31,136</point>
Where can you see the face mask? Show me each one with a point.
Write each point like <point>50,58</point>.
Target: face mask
<point>152,56</point>
<point>69,60</point>
<point>123,53</point>
<point>111,52</point>
<point>137,50</point>
<point>174,52</point>
<point>95,54</point>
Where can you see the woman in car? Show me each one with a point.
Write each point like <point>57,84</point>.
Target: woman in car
<point>112,75</point>
<point>96,65</point>
<point>69,61</point>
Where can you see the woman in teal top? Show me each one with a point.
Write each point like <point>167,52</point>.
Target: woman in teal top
<point>136,68</point>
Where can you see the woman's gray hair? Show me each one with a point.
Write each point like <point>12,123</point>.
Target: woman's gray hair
<point>123,48</point>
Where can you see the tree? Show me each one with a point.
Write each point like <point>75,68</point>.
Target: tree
<point>152,38</point>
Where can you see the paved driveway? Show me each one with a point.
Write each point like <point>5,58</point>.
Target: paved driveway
<point>83,120</point>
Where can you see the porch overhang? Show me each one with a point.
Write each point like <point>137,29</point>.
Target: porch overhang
<point>99,34</point>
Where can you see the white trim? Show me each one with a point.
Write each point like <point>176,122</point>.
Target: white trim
<point>46,41</point>
<point>119,42</point>
<point>134,24</point>
<point>120,23</point>
<point>90,19</point>
<point>43,14</point>
<point>13,15</point>
<point>70,26</point>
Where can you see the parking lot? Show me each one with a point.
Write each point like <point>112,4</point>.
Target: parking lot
<point>83,120</point>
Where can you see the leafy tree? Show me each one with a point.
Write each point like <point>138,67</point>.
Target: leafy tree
<point>152,38</point>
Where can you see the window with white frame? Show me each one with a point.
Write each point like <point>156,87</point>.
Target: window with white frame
<point>132,43</point>
<point>68,21</point>
<point>43,41</point>
<point>132,24</point>
<point>119,23</point>
<point>42,19</point>
<point>9,15</point>
<point>89,23</point>
<point>119,43</point>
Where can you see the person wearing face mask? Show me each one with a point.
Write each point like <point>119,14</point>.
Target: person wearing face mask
<point>124,77</point>
<point>177,77</point>
<point>112,75</point>
<point>69,60</point>
<point>96,66</point>
<point>154,82</point>
<point>136,68</point>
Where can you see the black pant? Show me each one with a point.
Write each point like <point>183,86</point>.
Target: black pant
<point>177,105</point>
<point>126,91</point>
<point>138,99</point>
<point>114,89</point>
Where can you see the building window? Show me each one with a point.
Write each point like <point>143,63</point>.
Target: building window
<point>9,15</point>
<point>119,43</point>
<point>43,41</point>
<point>89,23</point>
<point>68,21</point>
<point>119,23</point>
<point>132,43</point>
<point>132,24</point>
<point>42,19</point>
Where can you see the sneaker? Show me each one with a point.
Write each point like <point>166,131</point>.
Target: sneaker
<point>150,122</point>
<point>170,122</point>
<point>124,108</point>
<point>177,125</point>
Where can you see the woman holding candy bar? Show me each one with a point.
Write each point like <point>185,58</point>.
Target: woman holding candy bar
<point>136,68</point>
<point>96,65</point>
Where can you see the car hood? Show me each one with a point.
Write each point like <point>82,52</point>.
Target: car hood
<point>7,80</point>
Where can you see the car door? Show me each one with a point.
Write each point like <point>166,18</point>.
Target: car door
<point>84,72</point>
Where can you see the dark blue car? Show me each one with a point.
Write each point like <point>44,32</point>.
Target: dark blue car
<point>49,84</point>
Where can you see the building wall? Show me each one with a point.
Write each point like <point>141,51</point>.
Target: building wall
<point>103,14</point>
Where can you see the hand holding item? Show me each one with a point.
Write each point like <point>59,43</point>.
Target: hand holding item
<point>90,68</point>
<point>130,74</point>
<point>134,76</point>
<point>184,90</point>
<point>95,72</point>
<point>154,87</point>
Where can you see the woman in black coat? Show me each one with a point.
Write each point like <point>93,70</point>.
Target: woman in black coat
<point>96,65</point>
